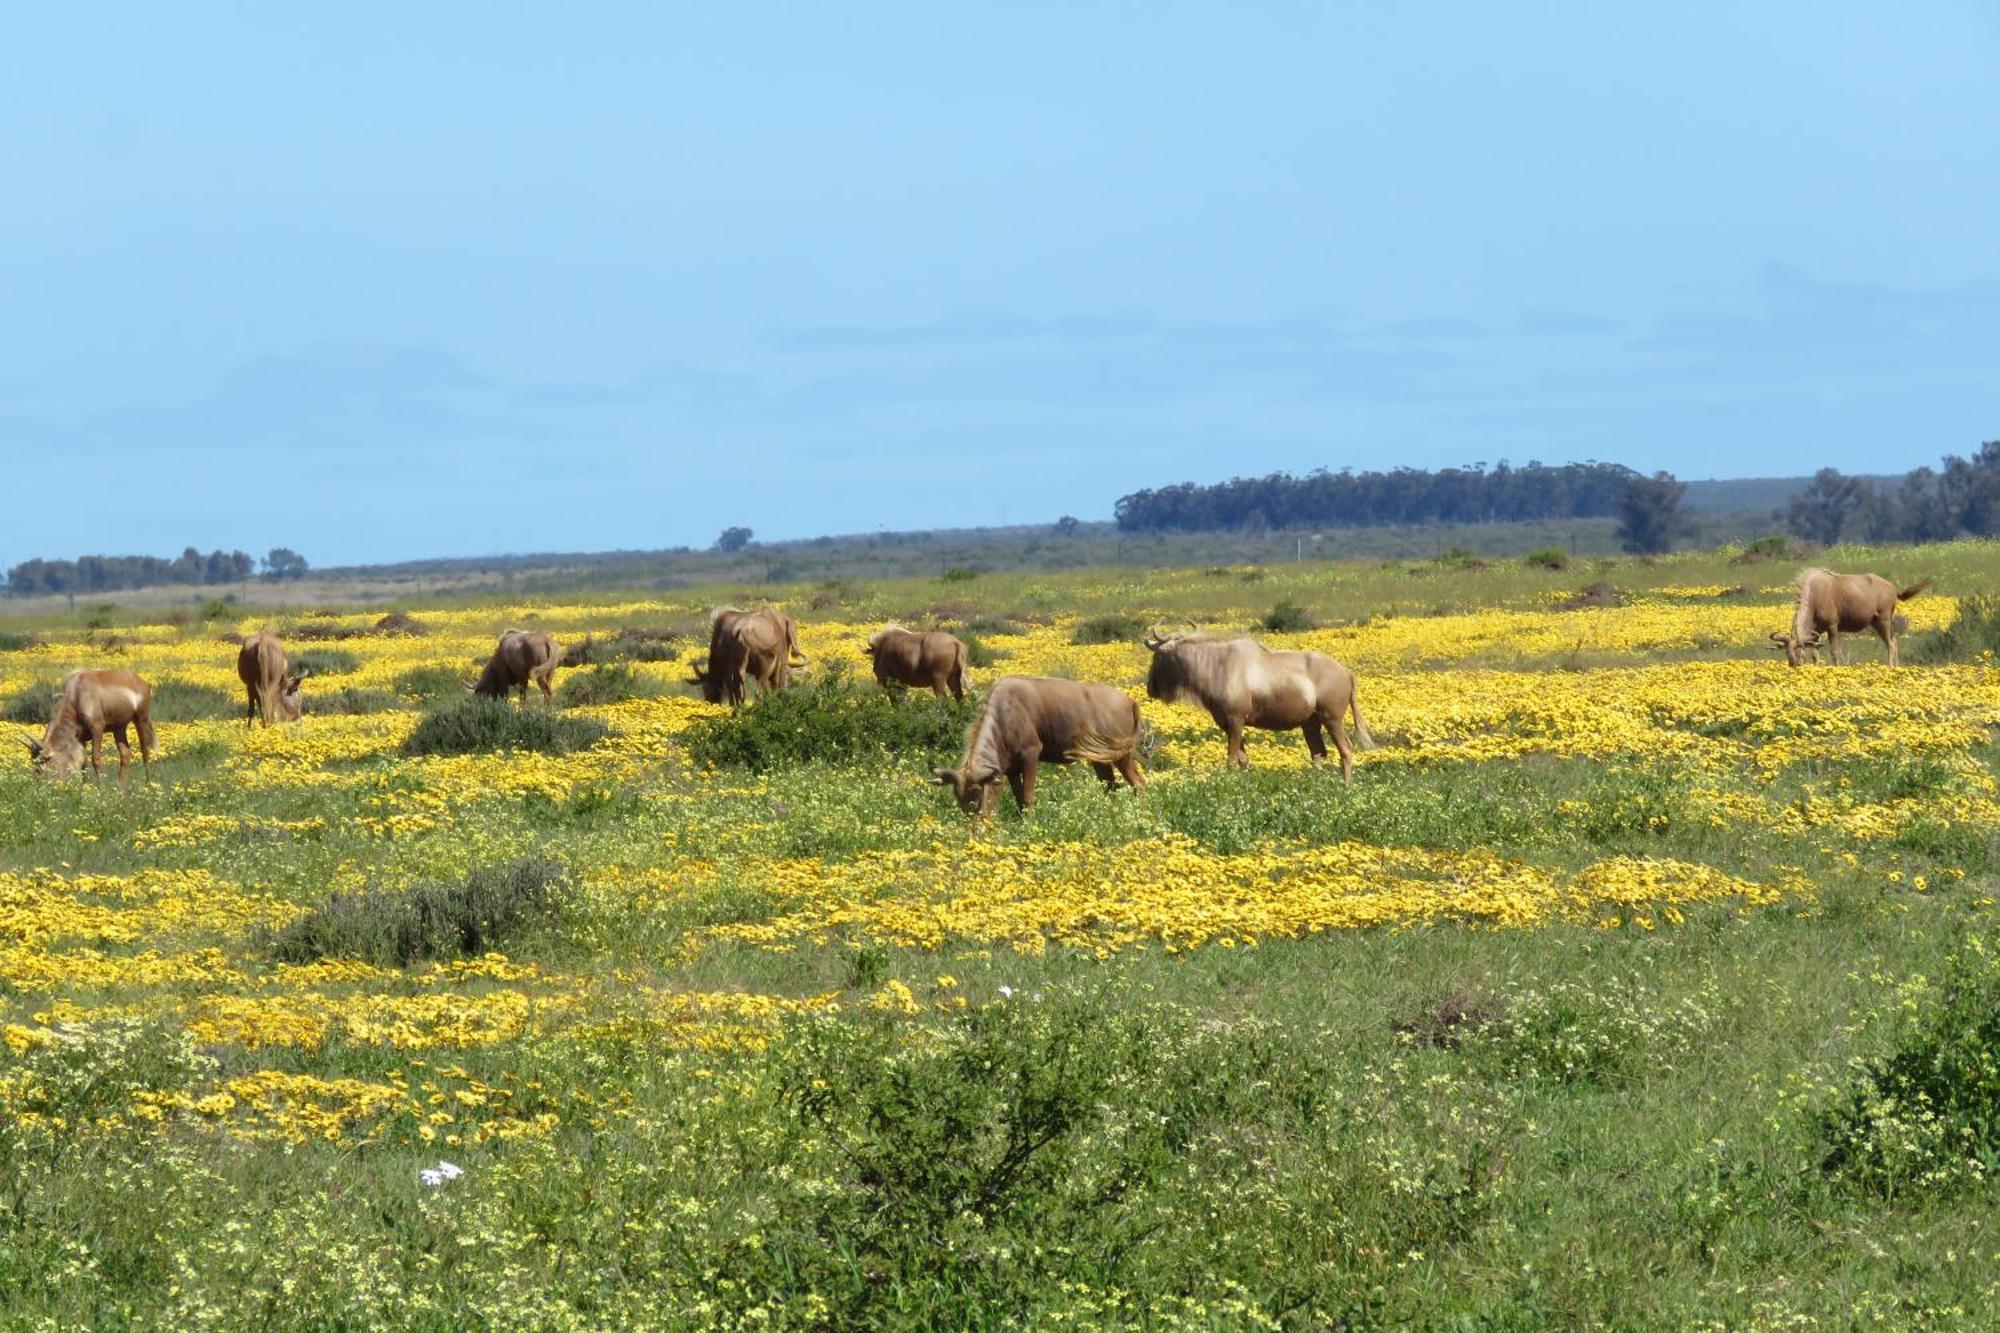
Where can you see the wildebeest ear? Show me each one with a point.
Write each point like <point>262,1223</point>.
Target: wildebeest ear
<point>944,777</point>
<point>990,775</point>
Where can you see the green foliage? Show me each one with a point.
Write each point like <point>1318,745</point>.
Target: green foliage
<point>978,652</point>
<point>1547,557</point>
<point>959,574</point>
<point>215,608</point>
<point>348,700</point>
<point>322,662</point>
<point>176,700</point>
<point>1927,1116</point>
<point>13,641</point>
<point>613,682</point>
<point>1457,557</point>
<point>624,645</point>
<point>472,726</point>
<point>1286,618</point>
<point>1650,517</point>
<point>832,719</point>
<point>458,919</point>
<point>1112,627</point>
<point>32,705</point>
<point>1973,634</point>
<point>426,683</point>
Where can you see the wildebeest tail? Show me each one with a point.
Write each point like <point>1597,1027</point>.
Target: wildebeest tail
<point>1360,727</point>
<point>1915,588</point>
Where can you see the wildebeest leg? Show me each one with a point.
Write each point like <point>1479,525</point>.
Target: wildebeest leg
<point>542,681</point>
<point>1129,766</point>
<point>96,736</point>
<point>1237,754</point>
<point>937,687</point>
<point>1105,774</point>
<point>144,725</point>
<point>124,751</point>
<point>1345,746</point>
<point>1024,789</point>
<point>1886,631</point>
<point>1315,740</point>
<point>1833,647</point>
<point>250,714</point>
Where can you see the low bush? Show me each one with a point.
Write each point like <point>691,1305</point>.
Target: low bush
<point>347,700</point>
<point>461,919</point>
<point>1112,627</point>
<point>425,683</point>
<point>12,641</point>
<point>834,719</point>
<point>1549,557</point>
<point>181,701</point>
<point>323,662</point>
<point>1974,630</point>
<point>1286,618</point>
<point>32,706</point>
<point>1927,1115</point>
<point>959,574</point>
<point>624,645</point>
<point>476,726</point>
<point>613,682</point>
<point>978,652</point>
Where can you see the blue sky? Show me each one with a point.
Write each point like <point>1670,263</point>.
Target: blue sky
<point>393,281</point>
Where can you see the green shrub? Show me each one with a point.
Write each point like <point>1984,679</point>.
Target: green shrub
<point>394,928</point>
<point>1927,1116</point>
<point>960,574</point>
<point>323,662</point>
<point>1112,627</point>
<point>12,641</point>
<point>214,609</point>
<point>1286,618</point>
<point>347,700</point>
<point>475,726</point>
<point>34,705</point>
<point>978,652</point>
<point>1974,630</point>
<point>613,682</point>
<point>1458,557</point>
<point>1549,557</point>
<point>425,683</point>
<point>180,701</point>
<point>624,645</point>
<point>833,719</point>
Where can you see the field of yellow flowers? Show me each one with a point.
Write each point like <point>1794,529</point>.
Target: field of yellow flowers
<point>1547,1020</point>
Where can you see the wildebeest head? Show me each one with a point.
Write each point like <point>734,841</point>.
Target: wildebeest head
<point>1797,650</point>
<point>1168,677</point>
<point>975,791</point>
<point>710,681</point>
<point>290,705</point>
<point>55,760</point>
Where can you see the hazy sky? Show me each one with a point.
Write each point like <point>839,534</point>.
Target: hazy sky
<point>395,281</point>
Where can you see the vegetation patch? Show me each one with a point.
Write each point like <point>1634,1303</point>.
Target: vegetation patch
<point>1287,618</point>
<point>832,719</point>
<point>347,700</point>
<point>1973,634</point>
<point>1112,627</point>
<point>624,645</point>
<point>182,701</point>
<point>34,705</point>
<point>1548,557</point>
<point>611,683</point>
<point>458,919</point>
<point>1593,595</point>
<point>426,683</point>
<point>322,662</point>
<point>476,726</point>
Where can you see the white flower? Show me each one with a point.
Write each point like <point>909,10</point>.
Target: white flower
<point>1006,992</point>
<point>435,1176</point>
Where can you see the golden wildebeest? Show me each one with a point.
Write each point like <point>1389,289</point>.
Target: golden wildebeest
<point>92,703</point>
<point>1241,683</point>
<point>933,659</point>
<point>764,645</point>
<point>1027,721</point>
<point>521,657</point>
<point>260,665</point>
<point>1835,604</point>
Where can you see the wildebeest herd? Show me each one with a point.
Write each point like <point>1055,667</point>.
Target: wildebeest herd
<point>1025,721</point>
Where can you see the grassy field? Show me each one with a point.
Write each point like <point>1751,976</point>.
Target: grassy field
<point>1637,981</point>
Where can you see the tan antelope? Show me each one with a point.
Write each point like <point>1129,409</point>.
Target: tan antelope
<point>1834,604</point>
<point>260,665</point>
<point>1241,683</point>
<point>90,704</point>
<point>762,645</point>
<point>1028,721</point>
<point>934,660</point>
<point>521,658</point>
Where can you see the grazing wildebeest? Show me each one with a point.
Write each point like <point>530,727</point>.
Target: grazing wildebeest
<point>1835,604</point>
<point>763,645</point>
<point>1027,721</point>
<point>260,665</point>
<point>1241,683</point>
<point>521,657</point>
<point>933,659</point>
<point>92,703</point>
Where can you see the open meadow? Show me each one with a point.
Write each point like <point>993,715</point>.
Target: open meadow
<point>1638,980</point>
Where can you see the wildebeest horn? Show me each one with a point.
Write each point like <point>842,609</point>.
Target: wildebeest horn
<point>943,777</point>
<point>1779,639</point>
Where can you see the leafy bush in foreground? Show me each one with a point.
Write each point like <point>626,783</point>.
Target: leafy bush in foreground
<point>397,928</point>
<point>1928,1115</point>
<point>835,719</point>
<point>475,726</point>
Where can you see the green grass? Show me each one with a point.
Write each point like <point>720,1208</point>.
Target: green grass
<point>477,726</point>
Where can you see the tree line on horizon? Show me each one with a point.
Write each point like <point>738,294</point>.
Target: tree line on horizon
<point>118,573</point>
<point>1959,498</point>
